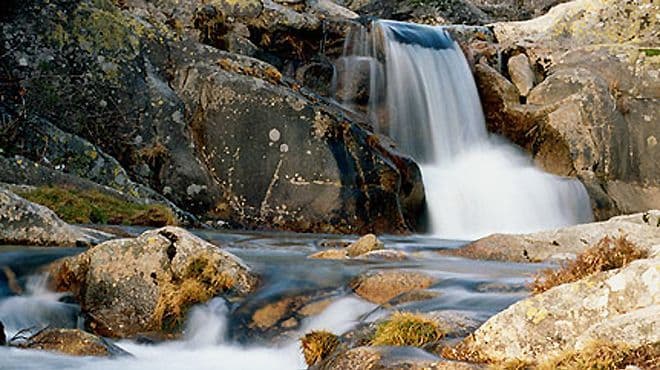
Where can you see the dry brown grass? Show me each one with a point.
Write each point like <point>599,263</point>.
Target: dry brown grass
<point>317,345</point>
<point>463,351</point>
<point>407,329</point>
<point>201,281</point>
<point>607,254</point>
<point>599,355</point>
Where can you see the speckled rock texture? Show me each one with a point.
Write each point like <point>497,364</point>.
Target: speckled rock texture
<point>145,284</point>
<point>620,305</point>
<point>25,223</point>
<point>593,113</point>
<point>175,109</point>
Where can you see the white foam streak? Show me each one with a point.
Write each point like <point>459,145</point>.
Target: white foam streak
<point>204,346</point>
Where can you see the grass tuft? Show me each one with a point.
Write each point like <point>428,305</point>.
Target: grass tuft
<point>607,254</point>
<point>94,207</point>
<point>200,282</point>
<point>407,329</point>
<point>600,355</point>
<point>317,345</point>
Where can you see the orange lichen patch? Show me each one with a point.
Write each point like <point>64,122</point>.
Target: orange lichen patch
<point>607,254</point>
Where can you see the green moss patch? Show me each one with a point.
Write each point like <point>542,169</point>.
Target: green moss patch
<point>651,52</point>
<point>94,207</point>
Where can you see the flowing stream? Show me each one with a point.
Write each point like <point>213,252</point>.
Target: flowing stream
<point>422,94</point>
<point>212,340</point>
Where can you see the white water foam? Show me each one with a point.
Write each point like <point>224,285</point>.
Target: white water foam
<point>476,183</point>
<point>203,347</point>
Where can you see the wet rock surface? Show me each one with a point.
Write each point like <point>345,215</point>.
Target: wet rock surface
<point>367,247</point>
<point>380,287</point>
<point>73,342</point>
<point>146,284</point>
<point>26,223</point>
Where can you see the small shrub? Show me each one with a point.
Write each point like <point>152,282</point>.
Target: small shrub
<point>407,329</point>
<point>607,254</point>
<point>317,345</point>
<point>93,207</point>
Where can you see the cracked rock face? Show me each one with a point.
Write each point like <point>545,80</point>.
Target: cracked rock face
<point>25,223</point>
<point>593,113</point>
<point>146,284</point>
<point>221,135</point>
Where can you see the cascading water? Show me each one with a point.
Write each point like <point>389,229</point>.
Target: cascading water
<point>422,94</point>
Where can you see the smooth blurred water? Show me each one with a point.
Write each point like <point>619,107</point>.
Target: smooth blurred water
<point>212,337</point>
<point>427,101</point>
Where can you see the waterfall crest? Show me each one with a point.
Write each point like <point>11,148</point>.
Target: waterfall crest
<point>416,87</point>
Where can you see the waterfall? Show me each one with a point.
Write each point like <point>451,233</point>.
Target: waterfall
<point>415,85</point>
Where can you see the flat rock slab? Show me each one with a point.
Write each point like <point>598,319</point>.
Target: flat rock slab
<point>642,229</point>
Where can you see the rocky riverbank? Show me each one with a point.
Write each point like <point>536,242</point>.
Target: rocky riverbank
<point>602,297</point>
<point>166,118</point>
<point>190,102</point>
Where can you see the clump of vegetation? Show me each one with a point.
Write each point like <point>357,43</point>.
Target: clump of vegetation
<point>600,355</point>
<point>607,254</point>
<point>596,355</point>
<point>201,281</point>
<point>317,345</point>
<point>651,52</point>
<point>407,329</point>
<point>463,351</point>
<point>94,207</point>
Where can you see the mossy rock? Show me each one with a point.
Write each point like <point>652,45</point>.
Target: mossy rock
<point>94,207</point>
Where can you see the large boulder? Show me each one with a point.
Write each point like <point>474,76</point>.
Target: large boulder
<point>592,114</point>
<point>26,223</point>
<point>286,159</point>
<point>642,229</point>
<point>619,306</point>
<point>146,284</point>
<point>220,135</point>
